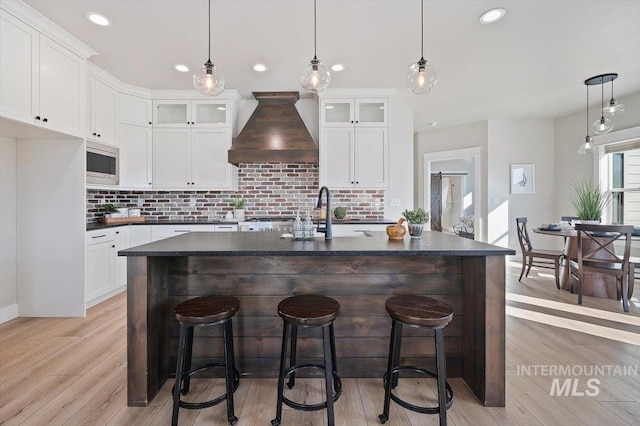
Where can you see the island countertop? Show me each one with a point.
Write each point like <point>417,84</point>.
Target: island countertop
<point>271,244</point>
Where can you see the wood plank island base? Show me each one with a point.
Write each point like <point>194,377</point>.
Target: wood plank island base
<point>361,273</point>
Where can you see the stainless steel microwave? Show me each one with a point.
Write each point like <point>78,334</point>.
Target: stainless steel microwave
<point>103,164</point>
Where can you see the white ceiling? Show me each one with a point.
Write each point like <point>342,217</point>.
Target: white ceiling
<point>531,64</point>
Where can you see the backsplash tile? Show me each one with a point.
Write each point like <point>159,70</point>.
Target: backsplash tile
<point>270,190</point>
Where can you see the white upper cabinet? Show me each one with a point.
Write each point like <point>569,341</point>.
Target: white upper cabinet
<point>372,112</point>
<point>134,110</point>
<point>101,100</point>
<point>354,143</point>
<point>191,113</point>
<point>41,82</point>
<point>135,156</point>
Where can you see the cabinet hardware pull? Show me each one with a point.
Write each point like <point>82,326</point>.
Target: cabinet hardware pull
<point>45,120</point>
<point>98,135</point>
<point>94,134</point>
<point>180,230</point>
<point>149,122</point>
<point>113,246</point>
<point>117,232</point>
<point>100,236</point>
<point>37,117</point>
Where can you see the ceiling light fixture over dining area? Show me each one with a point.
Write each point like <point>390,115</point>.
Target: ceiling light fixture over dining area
<point>209,81</point>
<point>422,76</point>
<point>602,125</point>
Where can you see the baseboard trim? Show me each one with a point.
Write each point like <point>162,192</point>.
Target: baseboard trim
<point>8,313</point>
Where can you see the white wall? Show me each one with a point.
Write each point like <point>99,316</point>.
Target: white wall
<point>520,141</point>
<point>401,166</point>
<point>569,134</point>
<point>473,135</point>
<point>8,297</point>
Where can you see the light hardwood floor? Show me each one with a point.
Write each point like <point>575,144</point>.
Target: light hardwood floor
<point>72,371</point>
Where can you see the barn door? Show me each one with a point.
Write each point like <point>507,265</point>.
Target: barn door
<point>436,202</point>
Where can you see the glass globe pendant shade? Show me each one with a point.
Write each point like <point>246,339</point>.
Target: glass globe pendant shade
<point>421,77</point>
<point>612,108</point>
<point>587,146</point>
<point>315,77</point>
<point>601,126</point>
<point>209,81</point>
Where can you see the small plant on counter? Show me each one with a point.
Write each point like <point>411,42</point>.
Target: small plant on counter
<point>416,216</point>
<point>239,203</point>
<point>110,208</point>
<point>340,212</point>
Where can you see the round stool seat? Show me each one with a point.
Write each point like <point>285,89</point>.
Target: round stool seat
<point>419,310</point>
<point>308,309</point>
<point>207,309</point>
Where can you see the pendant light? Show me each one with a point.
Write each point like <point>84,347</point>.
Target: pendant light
<point>422,76</point>
<point>613,107</point>
<point>315,77</point>
<point>209,81</point>
<point>587,146</point>
<point>602,125</point>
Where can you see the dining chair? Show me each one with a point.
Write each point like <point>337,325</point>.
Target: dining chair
<point>596,254</point>
<point>529,254</point>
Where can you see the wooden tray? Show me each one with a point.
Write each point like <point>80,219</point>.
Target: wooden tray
<point>122,219</point>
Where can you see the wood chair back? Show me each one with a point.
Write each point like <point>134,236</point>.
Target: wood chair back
<point>596,247</point>
<point>523,235</point>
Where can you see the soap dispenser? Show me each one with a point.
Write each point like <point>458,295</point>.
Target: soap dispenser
<point>298,228</point>
<point>308,228</point>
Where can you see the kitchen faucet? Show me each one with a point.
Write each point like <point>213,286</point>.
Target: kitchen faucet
<point>327,224</point>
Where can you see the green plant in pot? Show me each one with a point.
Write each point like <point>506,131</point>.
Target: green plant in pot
<point>416,218</point>
<point>109,208</point>
<point>238,208</point>
<point>588,201</point>
<point>340,212</point>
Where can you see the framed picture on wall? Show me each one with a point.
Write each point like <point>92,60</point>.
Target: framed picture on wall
<point>522,179</point>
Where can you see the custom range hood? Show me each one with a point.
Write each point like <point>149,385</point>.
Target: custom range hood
<point>275,133</point>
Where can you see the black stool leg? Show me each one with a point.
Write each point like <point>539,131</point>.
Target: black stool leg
<point>397,344</point>
<point>179,373</point>
<point>442,376</point>
<point>328,372</point>
<point>285,330</point>
<point>293,356</point>
<point>187,361</point>
<point>332,336</point>
<point>229,365</point>
<point>388,376</point>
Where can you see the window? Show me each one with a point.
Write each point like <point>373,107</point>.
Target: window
<point>620,176</point>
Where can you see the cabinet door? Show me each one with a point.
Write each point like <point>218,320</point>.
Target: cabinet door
<point>102,107</point>
<point>372,112</point>
<point>19,61</point>
<point>171,113</point>
<point>209,159</point>
<point>336,157</point>
<point>62,88</point>
<point>134,110</point>
<point>98,270</point>
<point>135,156</point>
<point>171,164</point>
<point>121,242</point>
<point>139,234</point>
<point>210,113</point>
<point>336,112</point>
<point>371,157</point>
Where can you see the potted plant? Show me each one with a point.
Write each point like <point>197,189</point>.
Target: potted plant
<point>108,209</point>
<point>339,212</point>
<point>588,201</point>
<point>416,218</point>
<point>238,208</point>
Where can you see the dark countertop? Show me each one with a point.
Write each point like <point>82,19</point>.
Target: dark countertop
<point>270,244</point>
<point>99,225</point>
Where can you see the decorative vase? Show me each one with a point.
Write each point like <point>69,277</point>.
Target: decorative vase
<point>415,230</point>
<point>238,214</point>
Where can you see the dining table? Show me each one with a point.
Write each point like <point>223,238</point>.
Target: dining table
<point>598,285</point>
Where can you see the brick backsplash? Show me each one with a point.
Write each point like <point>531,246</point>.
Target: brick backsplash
<point>270,190</point>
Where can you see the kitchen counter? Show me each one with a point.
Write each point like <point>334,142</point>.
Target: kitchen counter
<point>261,269</point>
<point>99,225</point>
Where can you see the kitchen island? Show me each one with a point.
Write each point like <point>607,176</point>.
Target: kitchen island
<point>261,269</point>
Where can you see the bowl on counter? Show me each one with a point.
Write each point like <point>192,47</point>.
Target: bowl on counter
<point>396,232</point>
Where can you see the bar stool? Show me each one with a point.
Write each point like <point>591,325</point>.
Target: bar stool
<point>421,312</point>
<point>203,312</point>
<point>309,311</point>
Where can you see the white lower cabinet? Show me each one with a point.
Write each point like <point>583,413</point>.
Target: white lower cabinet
<point>139,235</point>
<point>105,272</point>
<point>356,230</point>
<point>160,232</point>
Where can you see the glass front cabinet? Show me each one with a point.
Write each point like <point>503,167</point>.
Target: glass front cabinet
<point>191,113</point>
<point>370,112</point>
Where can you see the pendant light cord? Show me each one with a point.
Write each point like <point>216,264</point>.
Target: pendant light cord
<point>587,110</point>
<point>422,29</point>
<point>315,9</point>
<point>209,30</point>
<point>602,101</point>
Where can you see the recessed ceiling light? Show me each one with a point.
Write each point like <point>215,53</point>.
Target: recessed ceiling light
<point>182,68</point>
<point>337,67</point>
<point>492,15</point>
<point>433,123</point>
<point>98,19</point>
<point>259,67</point>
